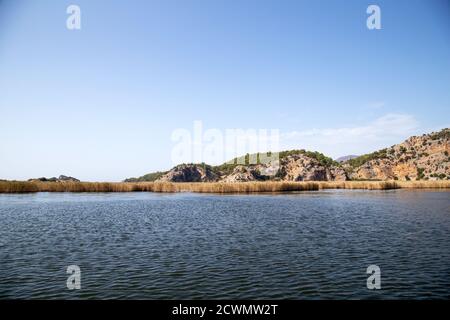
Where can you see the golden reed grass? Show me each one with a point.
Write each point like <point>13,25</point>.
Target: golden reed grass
<point>212,187</point>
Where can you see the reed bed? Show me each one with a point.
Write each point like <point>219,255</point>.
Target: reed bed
<point>212,187</point>
<point>245,187</point>
<point>17,187</point>
<point>439,184</point>
<point>366,185</point>
<point>206,187</point>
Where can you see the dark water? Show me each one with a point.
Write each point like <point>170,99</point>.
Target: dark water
<point>164,246</point>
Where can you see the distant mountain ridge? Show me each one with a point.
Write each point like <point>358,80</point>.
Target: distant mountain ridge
<point>423,157</point>
<point>346,158</point>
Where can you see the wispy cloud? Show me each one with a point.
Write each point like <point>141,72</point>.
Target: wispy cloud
<point>381,132</point>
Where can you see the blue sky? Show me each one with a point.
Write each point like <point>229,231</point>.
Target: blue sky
<point>101,103</point>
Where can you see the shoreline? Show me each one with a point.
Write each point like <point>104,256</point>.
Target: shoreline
<point>213,187</point>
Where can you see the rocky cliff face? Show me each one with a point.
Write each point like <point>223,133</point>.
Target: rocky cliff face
<point>189,173</point>
<point>300,167</point>
<point>295,167</point>
<point>419,157</point>
<point>242,174</point>
<point>258,172</point>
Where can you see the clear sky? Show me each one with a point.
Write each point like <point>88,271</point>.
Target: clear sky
<point>101,103</point>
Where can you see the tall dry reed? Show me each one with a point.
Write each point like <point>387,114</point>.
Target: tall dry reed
<point>211,187</point>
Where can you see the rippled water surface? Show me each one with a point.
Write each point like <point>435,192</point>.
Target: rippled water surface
<point>173,246</point>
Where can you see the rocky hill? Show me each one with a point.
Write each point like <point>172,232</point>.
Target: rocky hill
<point>425,157</point>
<point>189,173</point>
<point>294,165</point>
<point>419,157</point>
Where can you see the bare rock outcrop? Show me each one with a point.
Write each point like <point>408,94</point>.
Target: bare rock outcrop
<point>189,173</point>
<point>335,173</point>
<point>242,174</point>
<point>419,157</point>
<point>301,167</point>
<point>294,167</point>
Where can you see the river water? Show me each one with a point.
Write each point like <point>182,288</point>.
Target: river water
<point>307,245</point>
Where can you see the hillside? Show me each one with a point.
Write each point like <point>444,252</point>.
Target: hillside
<point>424,157</point>
<point>147,177</point>
<point>293,165</point>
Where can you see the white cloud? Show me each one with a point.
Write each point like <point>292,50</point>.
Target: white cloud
<point>382,132</point>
